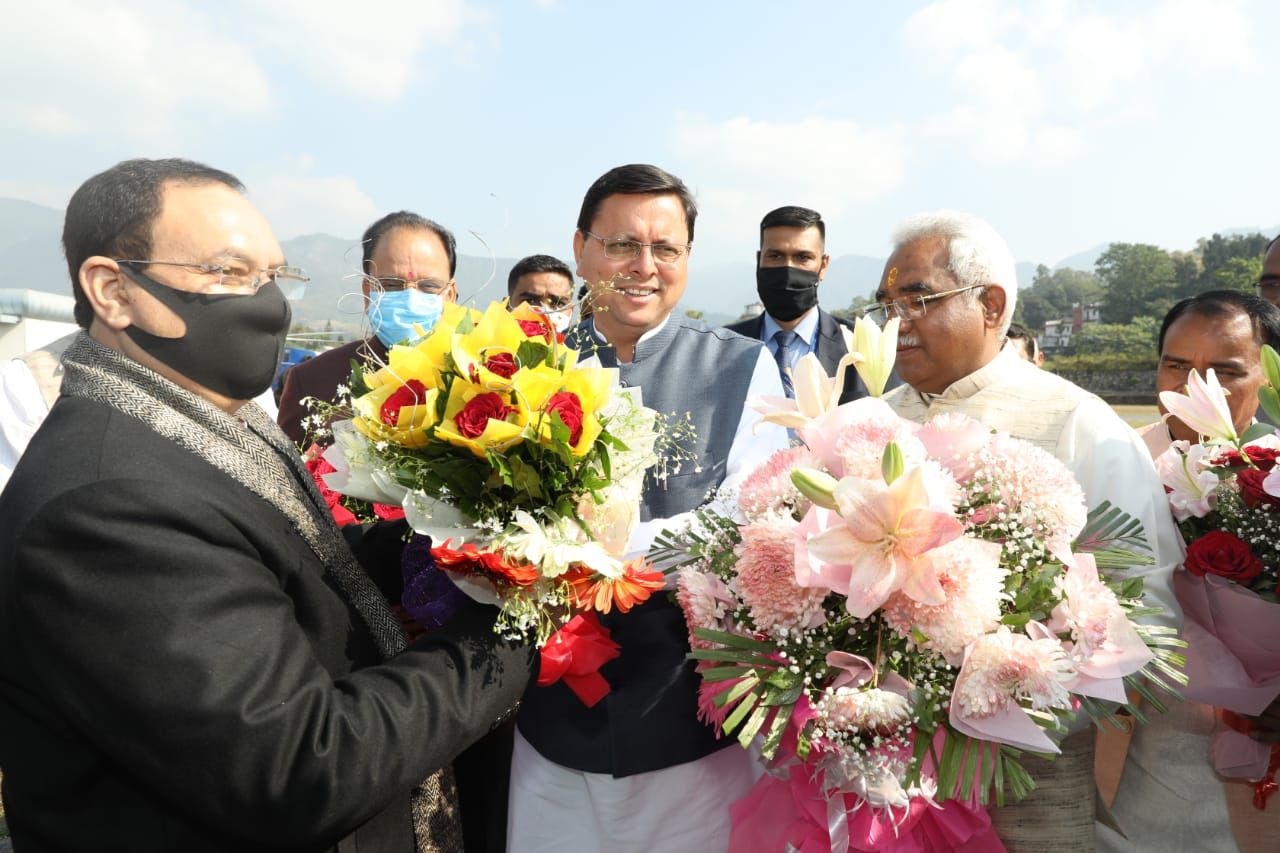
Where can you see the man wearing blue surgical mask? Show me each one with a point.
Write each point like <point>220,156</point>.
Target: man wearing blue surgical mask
<point>409,265</point>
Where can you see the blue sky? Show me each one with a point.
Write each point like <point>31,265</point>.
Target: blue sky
<point>1066,124</point>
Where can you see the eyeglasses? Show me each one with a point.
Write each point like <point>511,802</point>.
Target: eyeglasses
<point>393,284</point>
<point>621,249</point>
<point>910,307</point>
<point>291,280</point>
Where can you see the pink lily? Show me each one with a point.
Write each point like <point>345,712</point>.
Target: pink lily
<point>1203,408</point>
<point>881,547</point>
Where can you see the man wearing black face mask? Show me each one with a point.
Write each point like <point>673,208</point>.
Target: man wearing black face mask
<point>190,652</point>
<point>791,262</point>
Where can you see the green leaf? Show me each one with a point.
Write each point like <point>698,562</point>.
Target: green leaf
<point>737,691</point>
<point>359,387</point>
<point>1257,430</point>
<point>531,353</point>
<point>749,731</point>
<point>739,714</point>
<point>724,673</point>
<point>1271,367</point>
<point>736,641</point>
<point>1270,400</point>
<point>776,730</point>
<point>732,656</point>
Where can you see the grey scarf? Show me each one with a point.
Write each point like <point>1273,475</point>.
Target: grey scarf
<point>252,450</point>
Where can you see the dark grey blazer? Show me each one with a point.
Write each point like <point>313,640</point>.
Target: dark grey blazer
<point>178,673</point>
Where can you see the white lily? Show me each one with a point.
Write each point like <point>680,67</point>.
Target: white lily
<point>872,351</point>
<point>1202,408</point>
<point>816,394</point>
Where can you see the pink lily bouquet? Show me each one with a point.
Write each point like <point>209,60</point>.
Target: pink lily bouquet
<point>899,613</point>
<point>1225,495</point>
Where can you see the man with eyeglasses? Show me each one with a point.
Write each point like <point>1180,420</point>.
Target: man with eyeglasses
<point>638,771</point>
<point>951,280</point>
<point>1269,281</point>
<point>545,283</point>
<point>409,264</point>
<point>191,657</point>
<point>791,262</point>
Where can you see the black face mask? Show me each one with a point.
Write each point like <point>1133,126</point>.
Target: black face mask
<point>786,292</point>
<point>233,341</point>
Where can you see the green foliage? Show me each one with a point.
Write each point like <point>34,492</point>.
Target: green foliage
<point>1052,293</point>
<point>1135,340</point>
<point>1138,279</point>
<point>693,313</point>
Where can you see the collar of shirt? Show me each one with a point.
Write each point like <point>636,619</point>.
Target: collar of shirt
<point>1005,361</point>
<point>806,335</point>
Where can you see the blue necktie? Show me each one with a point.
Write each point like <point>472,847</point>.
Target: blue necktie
<point>782,355</point>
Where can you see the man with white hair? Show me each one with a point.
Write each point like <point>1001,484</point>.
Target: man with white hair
<point>951,280</point>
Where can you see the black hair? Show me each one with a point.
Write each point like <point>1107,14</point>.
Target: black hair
<point>1019,332</point>
<point>112,214</point>
<point>793,216</point>
<point>537,263</point>
<point>1223,303</point>
<point>635,179</point>
<point>404,219</point>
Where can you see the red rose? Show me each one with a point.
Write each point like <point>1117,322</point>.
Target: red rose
<point>1263,457</point>
<point>536,329</point>
<point>567,405</point>
<point>1222,554</point>
<point>475,415</point>
<point>410,393</point>
<point>503,364</point>
<point>1251,491</point>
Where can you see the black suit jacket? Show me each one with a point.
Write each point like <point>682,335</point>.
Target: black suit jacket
<point>829,347</point>
<point>177,672</point>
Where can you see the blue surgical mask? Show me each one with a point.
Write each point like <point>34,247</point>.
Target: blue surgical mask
<point>394,315</point>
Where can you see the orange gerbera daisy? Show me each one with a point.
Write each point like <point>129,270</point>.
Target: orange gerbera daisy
<point>471,560</point>
<point>597,592</point>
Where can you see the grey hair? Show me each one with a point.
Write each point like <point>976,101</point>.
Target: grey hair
<point>976,254</point>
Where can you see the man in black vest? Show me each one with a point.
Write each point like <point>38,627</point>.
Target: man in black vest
<point>791,262</point>
<point>190,656</point>
<point>638,771</point>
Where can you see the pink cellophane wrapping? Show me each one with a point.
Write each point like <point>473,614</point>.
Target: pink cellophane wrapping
<point>1233,662</point>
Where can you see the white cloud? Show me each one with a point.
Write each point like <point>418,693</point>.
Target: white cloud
<point>131,67</point>
<point>1028,76</point>
<point>832,159</point>
<point>371,49</point>
<point>300,204</point>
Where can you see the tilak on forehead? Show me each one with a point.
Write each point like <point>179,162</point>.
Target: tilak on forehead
<point>893,276</point>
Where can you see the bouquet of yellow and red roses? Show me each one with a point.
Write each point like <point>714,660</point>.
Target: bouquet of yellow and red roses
<point>522,464</point>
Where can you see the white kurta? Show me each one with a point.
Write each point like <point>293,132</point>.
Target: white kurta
<point>672,810</point>
<point>1111,463</point>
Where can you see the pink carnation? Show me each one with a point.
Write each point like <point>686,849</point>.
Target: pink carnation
<point>860,446</point>
<point>766,580</point>
<point>954,440</point>
<point>769,490</point>
<point>973,580</point>
<point>707,602</point>
<point>1003,668</point>
<point>1035,491</point>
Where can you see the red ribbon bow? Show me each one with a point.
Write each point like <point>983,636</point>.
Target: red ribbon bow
<point>1267,785</point>
<point>575,653</point>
